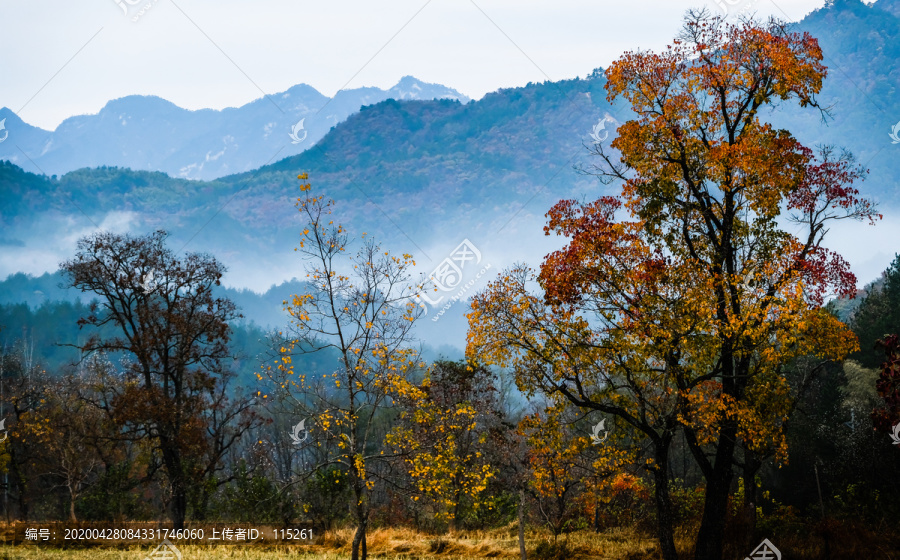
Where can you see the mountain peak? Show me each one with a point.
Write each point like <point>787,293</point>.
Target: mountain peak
<point>409,81</point>
<point>10,116</point>
<point>410,87</point>
<point>139,101</point>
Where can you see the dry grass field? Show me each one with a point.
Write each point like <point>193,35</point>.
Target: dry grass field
<point>382,543</point>
<point>406,544</point>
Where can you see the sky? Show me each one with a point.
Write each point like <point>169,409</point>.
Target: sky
<point>62,59</point>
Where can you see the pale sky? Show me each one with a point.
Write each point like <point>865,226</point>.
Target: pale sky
<point>68,58</point>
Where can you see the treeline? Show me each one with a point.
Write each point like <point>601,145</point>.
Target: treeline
<point>49,334</point>
<point>273,437</point>
<point>68,455</point>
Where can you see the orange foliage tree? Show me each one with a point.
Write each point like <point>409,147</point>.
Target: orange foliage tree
<point>678,304</point>
<point>566,466</point>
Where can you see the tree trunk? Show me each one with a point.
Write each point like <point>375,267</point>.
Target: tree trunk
<point>752,464</point>
<point>179,502</point>
<point>359,542</point>
<point>665,520</point>
<point>175,474</point>
<point>715,505</point>
<point>72,497</point>
<point>454,523</point>
<point>201,503</point>
<point>361,512</point>
<point>522,553</point>
<point>19,479</point>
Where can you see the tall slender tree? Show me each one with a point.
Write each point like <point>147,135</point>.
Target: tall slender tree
<point>360,307</point>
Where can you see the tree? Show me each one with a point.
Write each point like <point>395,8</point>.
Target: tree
<point>887,415</point>
<point>558,466</point>
<point>682,299</point>
<point>570,469</point>
<point>23,383</point>
<point>175,329</point>
<point>362,307</point>
<point>446,428</point>
<point>878,314</point>
<point>554,349</point>
<point>228,416</point>
<point>65,429</point>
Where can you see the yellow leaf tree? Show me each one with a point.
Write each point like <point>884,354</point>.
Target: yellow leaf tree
<point>566,465</point>
<point>447,426</point>
<point>361,307</point>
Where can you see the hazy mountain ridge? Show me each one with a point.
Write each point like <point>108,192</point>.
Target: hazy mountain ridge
<point>431,167</point>
<point>150,133</point>
<point>265,310</point>
<point>861,47</point>
<point>40,309</point>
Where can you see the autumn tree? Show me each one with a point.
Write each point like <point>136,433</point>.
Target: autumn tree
<point>594,365</point>
<point>448,424</point>
<point>573,461</point>
<point>23,381</point>
<point>677,304</point>
<point>176,332</point>
<point>361,307</point>
<point>65,430</point>
<point>558,466</point>
<point>227,418</point>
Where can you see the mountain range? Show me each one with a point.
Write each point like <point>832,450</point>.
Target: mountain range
<point>150,133</point>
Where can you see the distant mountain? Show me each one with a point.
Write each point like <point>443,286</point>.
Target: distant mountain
<point>418,176</point>
<point>152,134</point>
<point>410,172</point>
<point>861,46</point>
